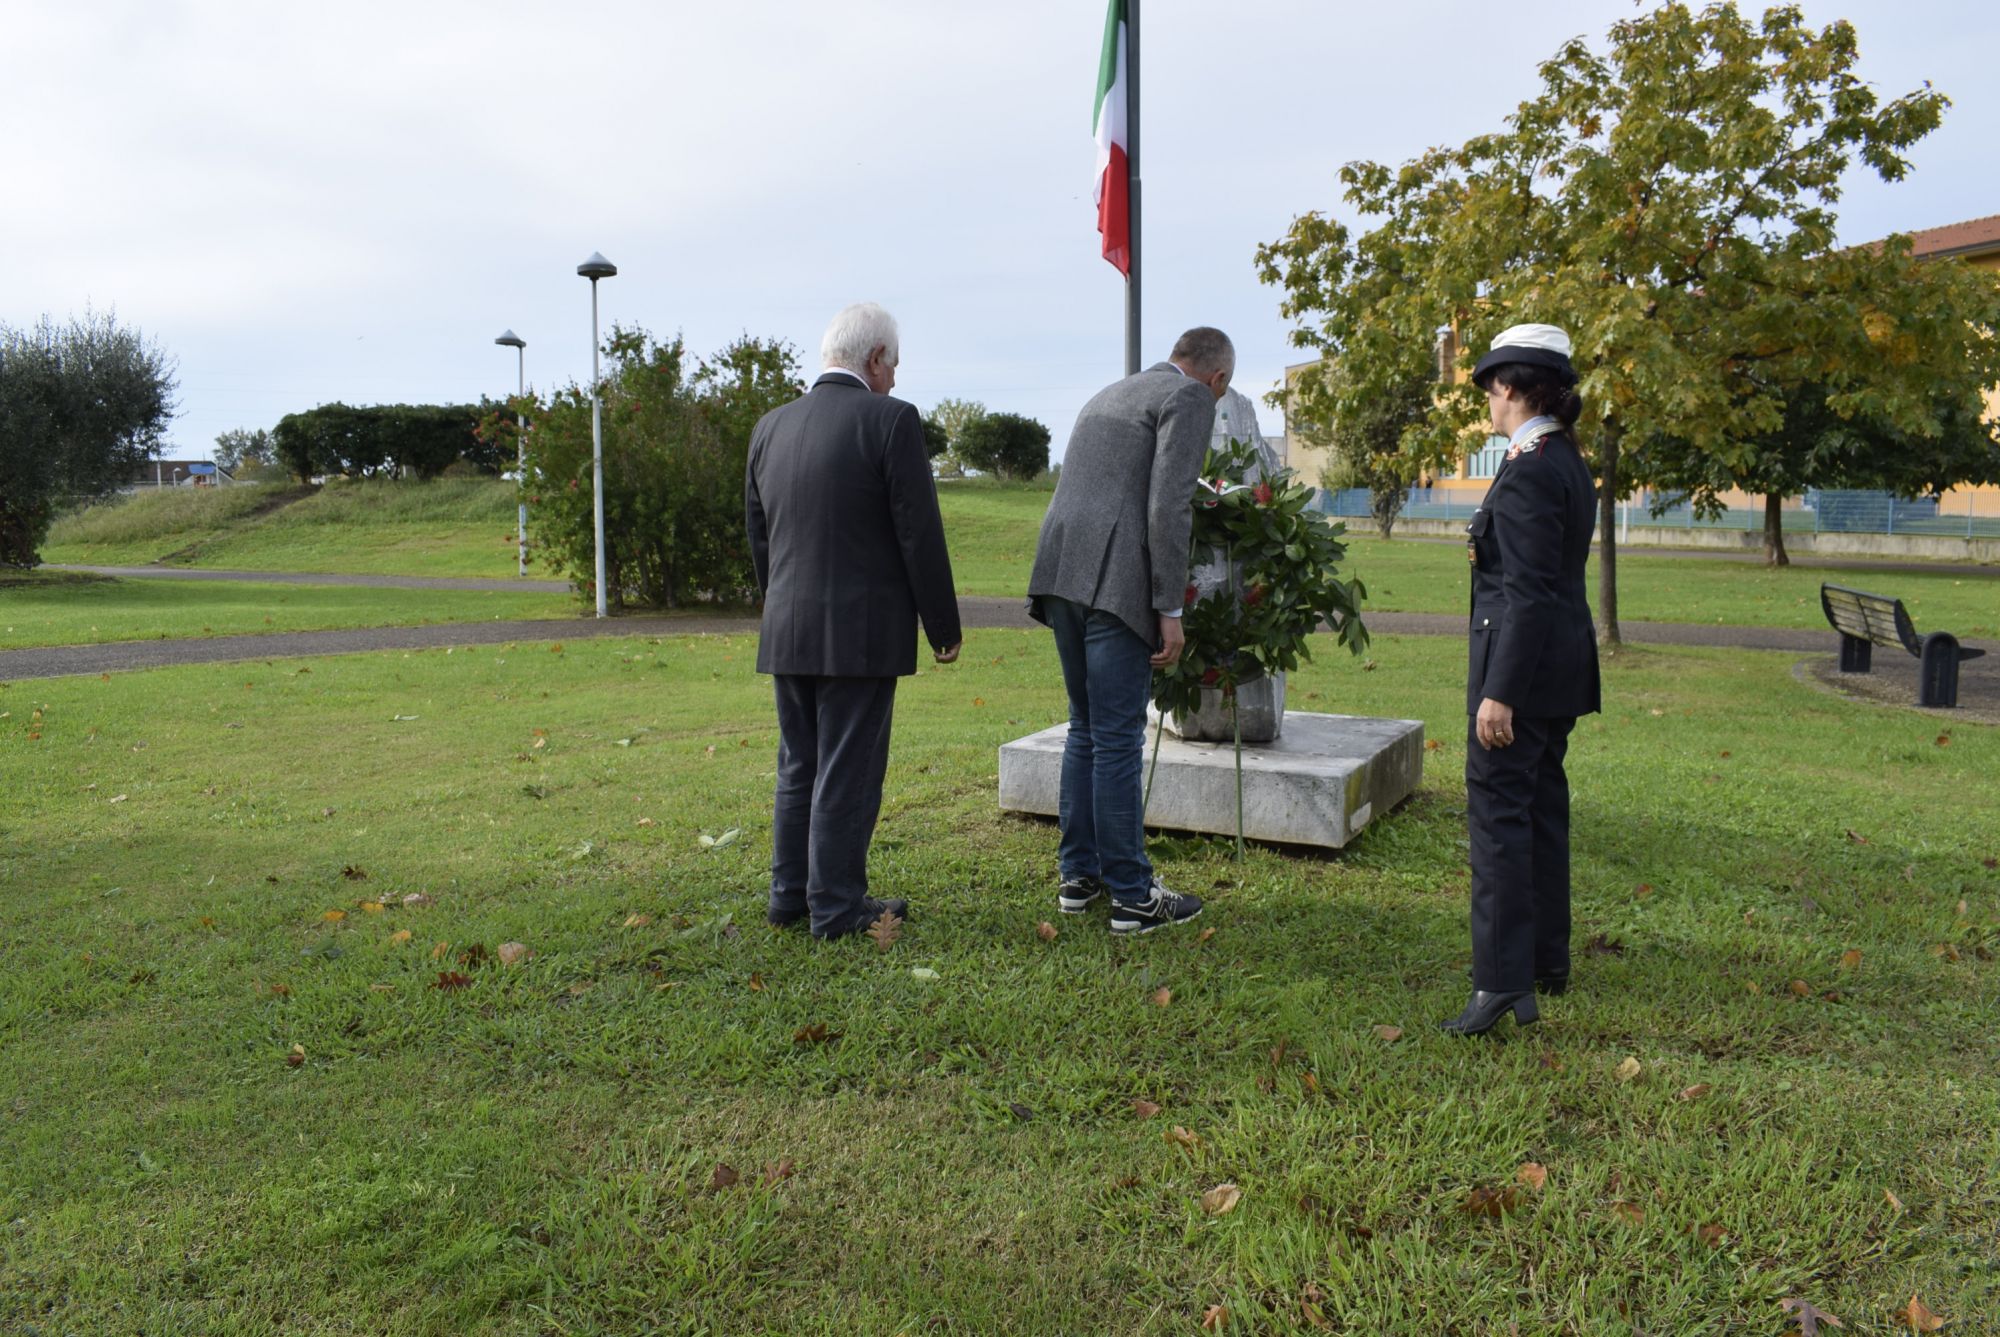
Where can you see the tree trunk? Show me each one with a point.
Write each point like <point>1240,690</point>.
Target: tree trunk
<point>1608,638</point>
<point>1774,531</point>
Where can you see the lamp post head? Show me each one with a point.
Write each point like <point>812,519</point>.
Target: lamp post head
<point>596,267</point>
<point>512,340</point>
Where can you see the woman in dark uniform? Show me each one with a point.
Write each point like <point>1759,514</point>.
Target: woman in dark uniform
<point>1532,669</point>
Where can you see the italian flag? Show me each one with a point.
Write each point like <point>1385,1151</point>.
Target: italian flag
<point>1114,178</point>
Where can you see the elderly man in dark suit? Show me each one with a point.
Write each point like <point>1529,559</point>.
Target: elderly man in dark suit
<point>850,554</point>
<point>1110,573</point>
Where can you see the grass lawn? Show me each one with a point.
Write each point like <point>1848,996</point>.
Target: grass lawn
<point>236,1102</point>
<point>448,527</point>
<point>52,608</point>
<point>992,529</point>
<point>465,527</point>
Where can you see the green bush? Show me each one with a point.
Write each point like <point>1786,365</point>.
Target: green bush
<point>382,440</point>
<point>1005,444</point>
<point>82,405</point>
<point>676,441</point>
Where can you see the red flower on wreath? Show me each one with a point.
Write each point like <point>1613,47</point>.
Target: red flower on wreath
<point>1254,595</point>
<point>1189,595</point>
<point>1208,679</point>
<point>1263,494</point>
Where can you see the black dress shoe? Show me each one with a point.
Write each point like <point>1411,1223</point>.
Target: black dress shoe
<point>1553,983</point>
<point>860,921</point>
<point>1485,1009</point>
<point>779,917</point>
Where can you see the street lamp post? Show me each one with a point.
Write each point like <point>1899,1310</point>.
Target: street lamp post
<point>520,347</point>
<point>595,268</point>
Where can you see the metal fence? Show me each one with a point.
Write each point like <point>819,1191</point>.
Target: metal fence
<point>1821,512</point>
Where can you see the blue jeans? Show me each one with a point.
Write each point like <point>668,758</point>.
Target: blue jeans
<point>1109,679</point>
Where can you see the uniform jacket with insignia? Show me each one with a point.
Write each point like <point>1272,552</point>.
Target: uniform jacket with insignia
<point>1532,646</point>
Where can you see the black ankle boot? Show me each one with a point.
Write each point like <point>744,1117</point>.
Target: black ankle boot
<point>1483,1012</point>
<point>1552,983</point>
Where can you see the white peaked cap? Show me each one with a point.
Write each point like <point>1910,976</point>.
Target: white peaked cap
<point>1537,345</point>
<point>1545,337</point>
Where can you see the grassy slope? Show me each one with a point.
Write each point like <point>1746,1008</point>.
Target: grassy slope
<point>52,609</point>
<point>534,1153</point>
<point>451,527</point>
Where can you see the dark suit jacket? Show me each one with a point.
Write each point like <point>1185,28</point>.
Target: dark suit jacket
<point>845,532</point>
<point>1532,644</point>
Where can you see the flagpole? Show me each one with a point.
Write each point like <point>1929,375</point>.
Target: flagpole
<point>1132,170</point>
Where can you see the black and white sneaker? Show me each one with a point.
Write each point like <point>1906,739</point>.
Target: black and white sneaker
<point>1160,908</point>
<point>1075,894</point>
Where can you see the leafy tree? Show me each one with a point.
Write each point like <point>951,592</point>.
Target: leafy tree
<point>952,416</point>
<point>1365,435</point>
<point>82,406</point>
<point>937,439</point>
<point>1816,446</point>
<point>676,444</point>
<point>1670,203</point>
<point>1005,444</point>
<point>237,449</point>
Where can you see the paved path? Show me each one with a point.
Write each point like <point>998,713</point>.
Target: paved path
<point>979,613</point>
<point>476,584</point>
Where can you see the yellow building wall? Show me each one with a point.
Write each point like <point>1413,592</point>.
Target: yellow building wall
<point>1983,499</point>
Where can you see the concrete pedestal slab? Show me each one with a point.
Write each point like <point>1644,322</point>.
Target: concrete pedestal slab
<point>1320,783</point>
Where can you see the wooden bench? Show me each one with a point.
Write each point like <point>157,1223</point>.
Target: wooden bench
<point>1865,621</point>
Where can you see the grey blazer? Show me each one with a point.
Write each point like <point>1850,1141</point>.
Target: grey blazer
<point>1116,535</point>
<point>844,530</point>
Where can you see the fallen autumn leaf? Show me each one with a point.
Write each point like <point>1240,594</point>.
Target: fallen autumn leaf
<point>1919,1316</point>
<point>1221,1200</point>
<point>1808,1315</point>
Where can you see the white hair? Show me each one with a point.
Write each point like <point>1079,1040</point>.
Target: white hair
<point>855,333</point>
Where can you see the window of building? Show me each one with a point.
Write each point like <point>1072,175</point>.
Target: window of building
<point>1485,462</point>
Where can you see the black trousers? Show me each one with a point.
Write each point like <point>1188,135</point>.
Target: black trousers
<point>833,751</point>
<point>1517,812</point>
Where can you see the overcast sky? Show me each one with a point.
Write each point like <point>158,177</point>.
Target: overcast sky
<point>307,203</point>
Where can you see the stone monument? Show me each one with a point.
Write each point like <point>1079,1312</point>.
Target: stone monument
<point>1307,779</point>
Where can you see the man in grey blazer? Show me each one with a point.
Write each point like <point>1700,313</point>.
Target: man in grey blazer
<point>1110,574</point>
<point>850,554</point>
